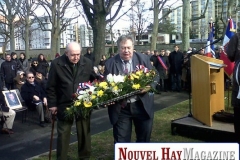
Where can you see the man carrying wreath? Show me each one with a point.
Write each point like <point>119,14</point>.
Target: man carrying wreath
<point>137,109</point>
<point>66,72</point>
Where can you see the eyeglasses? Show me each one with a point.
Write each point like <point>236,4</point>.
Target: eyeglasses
<point>35,63</point>
<point>30,77</point>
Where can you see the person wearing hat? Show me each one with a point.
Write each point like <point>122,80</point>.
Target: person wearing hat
<point>19,80</point>
<point>40,79</point>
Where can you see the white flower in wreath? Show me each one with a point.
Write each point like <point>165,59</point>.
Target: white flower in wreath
<point>92,89</point>
<point>110,78</point>
<point>118,78</point>
<point>82,94</point>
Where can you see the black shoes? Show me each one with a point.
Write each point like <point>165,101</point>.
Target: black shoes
<point>42,124</point>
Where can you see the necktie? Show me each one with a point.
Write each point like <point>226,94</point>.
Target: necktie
<point>126,67</point>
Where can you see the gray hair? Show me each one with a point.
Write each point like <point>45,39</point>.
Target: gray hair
<point>71,43</point>
<point>124,38</point>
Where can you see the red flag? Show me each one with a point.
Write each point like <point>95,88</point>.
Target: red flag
<point>230,65</point>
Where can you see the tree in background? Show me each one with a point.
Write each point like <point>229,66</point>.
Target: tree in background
<point>166,27</point>
<point>187,20</point>
<point>96,12</point>
<point>8,11</point>
<point>26,11</point>
<point>232,9</point>
<point>158,5</point>
<point>138,19</point>
<point>60,15</point>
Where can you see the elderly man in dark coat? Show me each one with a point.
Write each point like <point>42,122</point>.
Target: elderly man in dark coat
<point>34,96</point>
<point>66,72</point>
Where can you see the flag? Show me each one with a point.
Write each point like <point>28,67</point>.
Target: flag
<point>230,31</point>
<point>209,51</point>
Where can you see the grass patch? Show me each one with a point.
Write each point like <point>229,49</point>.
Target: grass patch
<point>102,143</point>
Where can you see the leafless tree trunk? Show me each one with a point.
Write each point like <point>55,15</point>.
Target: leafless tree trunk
<point>27,9</point>
<point>9,9</point>
<point>96,14</point>
<point>158,5</point>
<point>56,12</point>
<point>186,22</point>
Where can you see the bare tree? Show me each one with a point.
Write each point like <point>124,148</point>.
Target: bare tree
<point>96,14</point>
<point>232,9</point>
<point>158,6</point>
<point>27,9</point>
<point>186,22</point>
<point>9,10</point>
<point>56,11</point>
<point>139,20</point>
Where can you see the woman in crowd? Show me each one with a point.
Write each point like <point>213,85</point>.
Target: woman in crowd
<point>24,62</point>
<point>43,64</point>
<point>34,66</point>
<point>102,61</point>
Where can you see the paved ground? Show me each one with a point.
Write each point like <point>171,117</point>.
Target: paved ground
<point>30,139</point>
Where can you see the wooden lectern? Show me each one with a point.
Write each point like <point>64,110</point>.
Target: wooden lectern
<point>207,87</point>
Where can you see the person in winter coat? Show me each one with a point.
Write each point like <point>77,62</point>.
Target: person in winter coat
<point>8,72</point>
<point>34,66</point>
<point>41,80</point>
<point>65,74</point>
<point>19,80</point>
<point>43,64</point>
<point>15,59</point>
<point>233,54</point>
<point>176,61</point>
<point>34,96</point>
<point>90,56</point>
<point>24,62</point>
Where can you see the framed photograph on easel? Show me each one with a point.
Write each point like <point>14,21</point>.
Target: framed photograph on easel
<point>12,99</point>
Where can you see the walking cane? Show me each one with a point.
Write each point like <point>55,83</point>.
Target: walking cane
<point>50,149</point>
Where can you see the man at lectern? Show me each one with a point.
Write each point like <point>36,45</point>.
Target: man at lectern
<point>233,53</point>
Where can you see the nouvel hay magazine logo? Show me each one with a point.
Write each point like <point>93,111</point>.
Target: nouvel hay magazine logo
<point>177,151</point>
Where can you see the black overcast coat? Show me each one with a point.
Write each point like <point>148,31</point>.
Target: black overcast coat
<point>62,84</point>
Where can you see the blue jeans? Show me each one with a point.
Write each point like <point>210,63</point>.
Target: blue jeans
<point>176,82</point>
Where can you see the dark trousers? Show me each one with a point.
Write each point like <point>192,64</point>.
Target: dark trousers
<point>237,122</point>
<point>83,134</point>
<point>136,114</point>
<point>176,82</point>
<point>163,84</point>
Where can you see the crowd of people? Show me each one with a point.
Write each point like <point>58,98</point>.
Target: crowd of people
<point>41,87</point>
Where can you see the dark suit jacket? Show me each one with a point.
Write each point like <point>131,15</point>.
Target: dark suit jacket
<point>62,83</point>
<point>114,66</point>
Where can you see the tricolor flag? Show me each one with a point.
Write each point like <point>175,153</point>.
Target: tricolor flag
<point>230,31</point>
<point>209,51</point>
